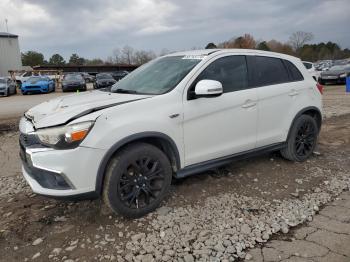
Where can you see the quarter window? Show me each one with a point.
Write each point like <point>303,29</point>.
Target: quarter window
<point>294,72</point>
<point>269,71</point>
<point>230,71</point>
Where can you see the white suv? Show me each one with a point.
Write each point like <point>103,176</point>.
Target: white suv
<point>177,115</point>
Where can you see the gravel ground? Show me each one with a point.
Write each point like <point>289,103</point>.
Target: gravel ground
<point>214,216</point>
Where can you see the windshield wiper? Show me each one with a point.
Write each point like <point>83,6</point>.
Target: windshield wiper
<point>125,91</point>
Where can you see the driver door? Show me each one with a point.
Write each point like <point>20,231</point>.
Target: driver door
<point>222,125</point>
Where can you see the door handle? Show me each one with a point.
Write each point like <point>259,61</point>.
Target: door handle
<point>248,104</point>
<point>293,93</point>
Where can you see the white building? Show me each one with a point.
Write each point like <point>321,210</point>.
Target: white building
<point>10,56</point>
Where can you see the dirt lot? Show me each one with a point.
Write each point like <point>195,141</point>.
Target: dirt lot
<point>211,216</point>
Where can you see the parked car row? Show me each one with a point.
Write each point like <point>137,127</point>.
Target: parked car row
<point>335,74</point>
<point>38,82</point>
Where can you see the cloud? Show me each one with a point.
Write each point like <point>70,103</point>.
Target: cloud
<point>94,28</point>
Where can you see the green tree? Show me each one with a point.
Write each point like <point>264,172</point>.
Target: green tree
<point>263,46</point>
<point>32,58</point>
<point>211,46</point>
<point>76,60</point>
<point>57,59</point>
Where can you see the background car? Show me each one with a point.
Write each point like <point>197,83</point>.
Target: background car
<point>73,82</point>
<point>335,75</point>
<point>104,80</point>
<point>312,70</point>
<point>38,84</point>
<point>117,75</point>
<point>7,86</point>
<point>88,78</point>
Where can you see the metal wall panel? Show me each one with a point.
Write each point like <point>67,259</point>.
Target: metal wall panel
<point>10,56</point>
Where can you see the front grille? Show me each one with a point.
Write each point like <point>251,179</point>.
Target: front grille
<point>33,87</point>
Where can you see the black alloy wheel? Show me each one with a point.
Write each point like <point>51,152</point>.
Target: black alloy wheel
<point>302,139</point>
<point>137,180</point>
<point>305,139</point>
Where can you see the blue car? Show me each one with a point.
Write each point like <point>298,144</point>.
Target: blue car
<point>38,84</point>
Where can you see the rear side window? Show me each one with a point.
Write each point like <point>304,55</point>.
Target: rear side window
<point>269,71</point>
<point>294,71</point>
<point>230,71</point>
<point>307,65</point>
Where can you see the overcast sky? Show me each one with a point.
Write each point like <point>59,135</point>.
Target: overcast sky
<point>93,28</point>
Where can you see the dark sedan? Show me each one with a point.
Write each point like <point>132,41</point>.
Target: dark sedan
<point>119,74</point>
<point>104,80</point>
<point>73,82</point>
<point>335,75</point>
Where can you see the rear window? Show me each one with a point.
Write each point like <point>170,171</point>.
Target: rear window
<point>269,71</point>
<point>294,71</point>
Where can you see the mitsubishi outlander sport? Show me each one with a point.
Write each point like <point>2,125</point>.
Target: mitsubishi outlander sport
<point>177,115</point>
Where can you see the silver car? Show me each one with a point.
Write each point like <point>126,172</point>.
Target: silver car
<point>7,86</point>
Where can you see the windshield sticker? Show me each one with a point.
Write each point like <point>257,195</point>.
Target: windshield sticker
<point>197,57</point>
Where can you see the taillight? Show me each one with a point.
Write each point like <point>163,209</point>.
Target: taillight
<point>320,88</point>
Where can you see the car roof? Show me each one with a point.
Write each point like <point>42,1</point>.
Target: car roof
<point>208,52</point>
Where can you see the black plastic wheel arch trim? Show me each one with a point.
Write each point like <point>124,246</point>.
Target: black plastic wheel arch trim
<point>135,137</point>
<point>301,112</point>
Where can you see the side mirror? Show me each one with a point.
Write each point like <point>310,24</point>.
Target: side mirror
<point>208,88</point>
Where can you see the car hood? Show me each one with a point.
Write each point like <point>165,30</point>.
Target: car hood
<point>29,83</point>
<point>62,110</point>
<point>333,72</point>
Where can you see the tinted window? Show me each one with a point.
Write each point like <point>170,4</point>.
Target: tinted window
<point>294,72</point>
<point>230,71</point>
<point>269,71</point>
<point>307,65</point>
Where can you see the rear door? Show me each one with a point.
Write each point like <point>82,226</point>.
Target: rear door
<point>220,126</point>
<point>276,98</point>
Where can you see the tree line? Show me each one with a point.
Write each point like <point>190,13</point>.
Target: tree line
<point>298,45</point>
<point>126,55</point>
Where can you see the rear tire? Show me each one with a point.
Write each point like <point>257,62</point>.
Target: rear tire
<point>302,139</point>
<point>137,179</point>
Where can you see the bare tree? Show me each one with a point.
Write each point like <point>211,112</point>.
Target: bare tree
<point>127,54</point>
<point>141,57</point>
<point>164,51</point>
<point>117,57</point>
<point>300,38</point>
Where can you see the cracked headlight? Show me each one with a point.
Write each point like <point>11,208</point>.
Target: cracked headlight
<point>64,137</point>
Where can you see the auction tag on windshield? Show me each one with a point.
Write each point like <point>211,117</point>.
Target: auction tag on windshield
<point>198,57</point>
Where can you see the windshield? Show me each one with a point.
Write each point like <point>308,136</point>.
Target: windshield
<point>73,77</point>
<point>158,76</point>
<point>104,76</point>
<point>337,67</point>
<point>36,79</point>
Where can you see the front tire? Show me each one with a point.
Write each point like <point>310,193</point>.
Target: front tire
<point>137,179</point>
<point>302,139</point>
